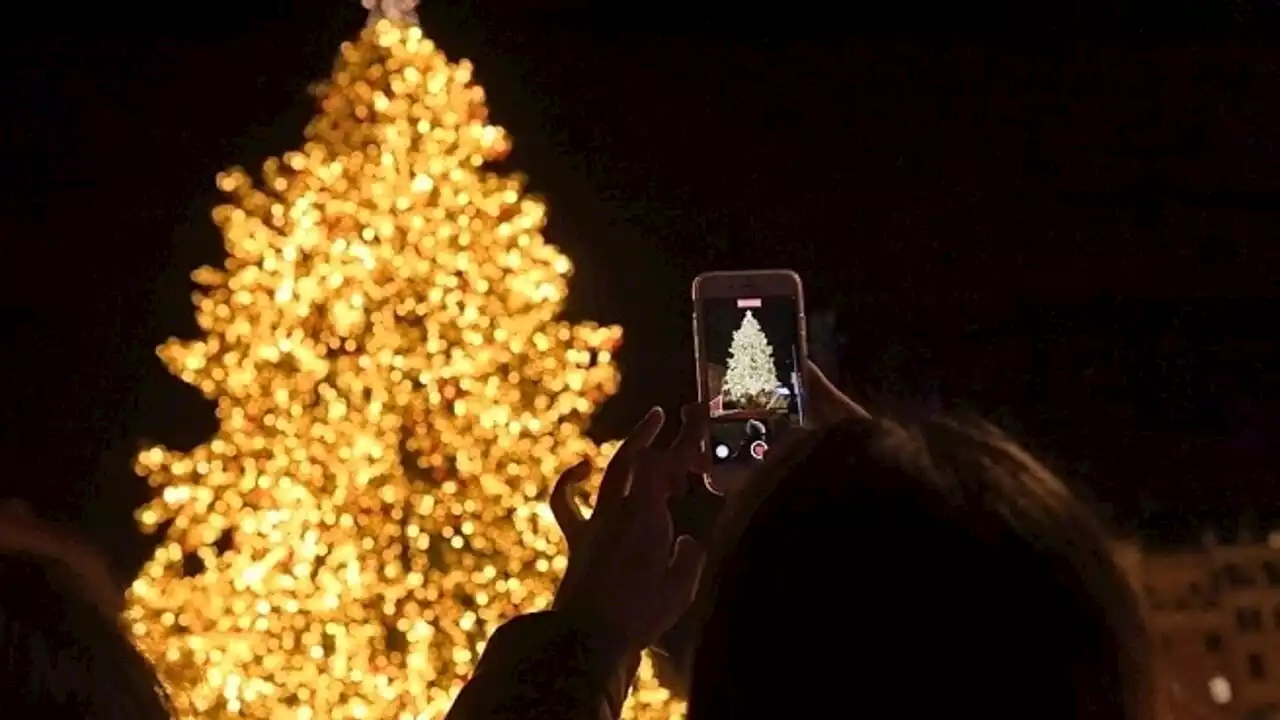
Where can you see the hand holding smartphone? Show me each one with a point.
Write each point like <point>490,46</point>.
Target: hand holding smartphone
<point>750,344</point>
<point>753,370</point>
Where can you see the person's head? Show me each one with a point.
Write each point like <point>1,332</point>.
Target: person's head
<point>929,570</point>
<point>62,651</point>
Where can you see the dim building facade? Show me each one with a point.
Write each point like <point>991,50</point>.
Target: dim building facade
<point>1215,615</point>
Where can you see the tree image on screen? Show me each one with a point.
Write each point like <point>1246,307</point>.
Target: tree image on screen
<point>751,379</point>
<point>396,394</point>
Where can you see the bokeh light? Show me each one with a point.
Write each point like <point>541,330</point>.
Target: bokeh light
<point>396,396</point>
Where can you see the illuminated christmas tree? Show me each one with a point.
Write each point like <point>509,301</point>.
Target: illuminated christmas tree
<point>395,397</point>
<point>750,380</point>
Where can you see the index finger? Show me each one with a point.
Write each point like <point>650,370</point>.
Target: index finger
<point>617,477</point>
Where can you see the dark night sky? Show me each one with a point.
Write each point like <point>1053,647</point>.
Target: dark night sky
<point>1076,237</point>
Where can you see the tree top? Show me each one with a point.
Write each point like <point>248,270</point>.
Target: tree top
<point>396,10</point>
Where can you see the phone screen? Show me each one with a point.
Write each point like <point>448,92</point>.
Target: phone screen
<point>751,374</point>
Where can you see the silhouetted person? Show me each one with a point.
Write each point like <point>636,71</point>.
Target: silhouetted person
<point>62,651</point>
<point>871,570</point>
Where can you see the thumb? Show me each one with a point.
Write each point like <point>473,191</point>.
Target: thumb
<point>681,583</point>
<point>826,403</point>
<point>563,507</point>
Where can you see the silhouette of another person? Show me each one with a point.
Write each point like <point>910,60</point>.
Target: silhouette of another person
<point>62,651</point>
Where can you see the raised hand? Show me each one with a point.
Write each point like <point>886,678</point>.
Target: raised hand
<point>629,577</point>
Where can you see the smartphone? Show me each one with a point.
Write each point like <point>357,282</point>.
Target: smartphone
<point>750,350</point>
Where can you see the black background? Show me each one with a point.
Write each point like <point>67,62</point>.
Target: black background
<point>1063,215</point>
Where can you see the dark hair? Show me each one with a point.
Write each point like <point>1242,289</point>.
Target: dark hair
<point>62,655</point>
<point>930,570</point>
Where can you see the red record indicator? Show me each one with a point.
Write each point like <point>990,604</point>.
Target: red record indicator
<point>758,449</point>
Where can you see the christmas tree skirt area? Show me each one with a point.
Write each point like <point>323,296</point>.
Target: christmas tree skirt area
<point>755,414</point>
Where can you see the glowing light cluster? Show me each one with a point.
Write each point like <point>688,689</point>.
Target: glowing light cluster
<point>395,396</point>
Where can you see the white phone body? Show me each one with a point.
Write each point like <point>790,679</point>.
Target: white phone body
<point>750,348</point>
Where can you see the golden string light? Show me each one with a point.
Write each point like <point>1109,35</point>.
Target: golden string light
<point>395,396</point>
